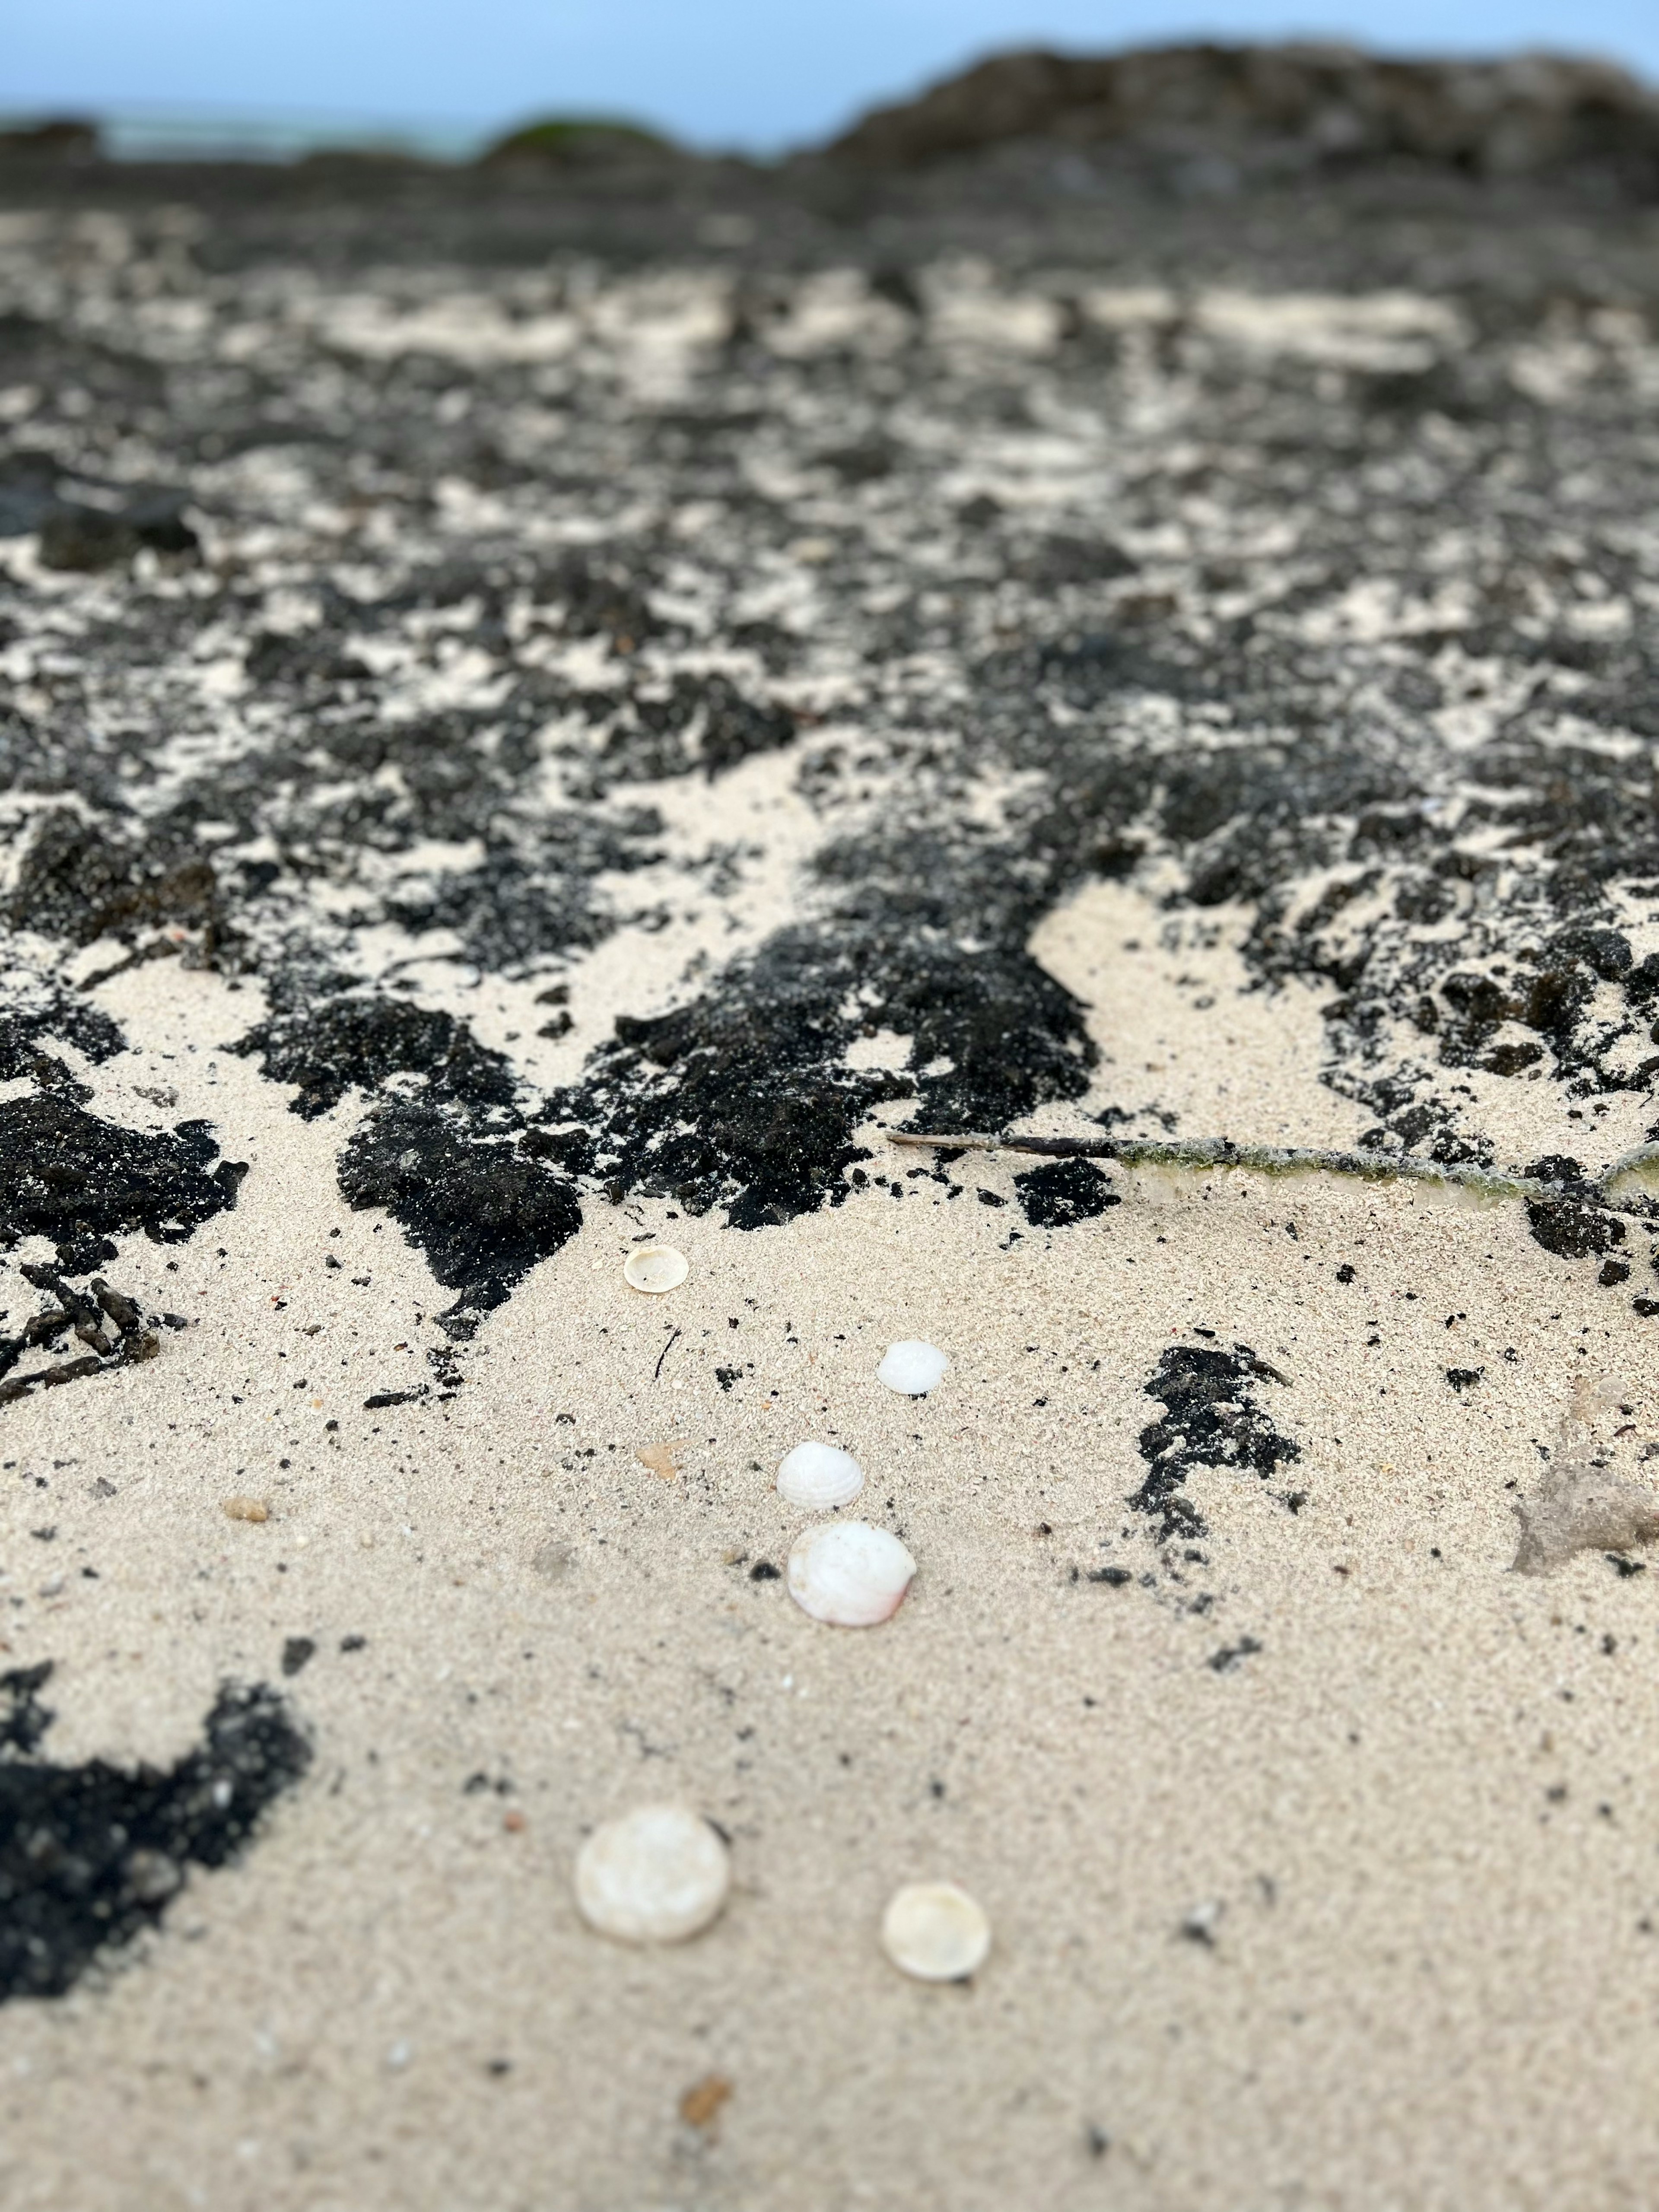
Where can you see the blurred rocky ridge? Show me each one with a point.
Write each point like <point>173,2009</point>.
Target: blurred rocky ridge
<point>1203,119</point>
<point>1274,112</point>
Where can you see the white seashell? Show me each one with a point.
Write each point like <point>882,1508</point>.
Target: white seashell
<point>657,1875</point>
<point>656,1269</point>
<point>935,1931</point>
<point>912,1367</point>
<point>849,1574</point>
<point>817,1478</point>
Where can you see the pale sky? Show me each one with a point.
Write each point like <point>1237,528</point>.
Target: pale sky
<point>758,73</point>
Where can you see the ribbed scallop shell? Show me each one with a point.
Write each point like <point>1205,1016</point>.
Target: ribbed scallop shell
<point>818,1477</point>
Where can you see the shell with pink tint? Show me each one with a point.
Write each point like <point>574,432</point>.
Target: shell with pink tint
<point>849,1574</point>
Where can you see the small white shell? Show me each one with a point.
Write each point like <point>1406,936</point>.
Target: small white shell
<point>655,1268</point>
<point>656,1875</point>
<point>912,1367</point>
<point>935,1931</point>
<point>849,1574</point>
<point>817,1478</point>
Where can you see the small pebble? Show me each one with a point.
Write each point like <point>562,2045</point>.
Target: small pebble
<point>247,1508</point>
<point>662,1459</point>
<point>700,2107</point>
<point>849,1574</point>
<point>657,1875</point>
<point>912,1368</point>
<point>935,1932</point>
<point>655,1268</point>
<point>818,1477</point>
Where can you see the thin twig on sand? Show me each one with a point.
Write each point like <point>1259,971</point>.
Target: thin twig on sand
<point>1287,1159</point>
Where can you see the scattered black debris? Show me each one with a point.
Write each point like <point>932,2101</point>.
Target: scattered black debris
<point>1230,1654</point>
<point>296,1650</point>
<point>351,813</point>
<point>102,1319</point>
<point>90,1855</point>
<point>764,1571</point>
<point>1464,1378</point>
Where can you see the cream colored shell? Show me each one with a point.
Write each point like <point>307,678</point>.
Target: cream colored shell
<point>655,1268</point>
<point>935,1932</point>
<point>656,1875</point>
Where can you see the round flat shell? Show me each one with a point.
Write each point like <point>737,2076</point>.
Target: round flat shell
<point>654,1268</point>
<point>935,1932</point>
<point>819,1477</point>
<point>656,1875</point>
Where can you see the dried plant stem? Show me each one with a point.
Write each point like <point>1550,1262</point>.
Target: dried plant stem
<point>1220,1153</point>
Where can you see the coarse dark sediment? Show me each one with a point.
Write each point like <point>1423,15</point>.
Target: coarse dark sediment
<point>395,554</point>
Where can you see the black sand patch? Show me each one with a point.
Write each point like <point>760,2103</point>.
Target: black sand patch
<point>1211,1419</point>
<point>92,1855</point>
<point>1064,1191</point>
<point>369,855</point>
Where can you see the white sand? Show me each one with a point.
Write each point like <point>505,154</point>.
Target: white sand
<point>1362,1919</point>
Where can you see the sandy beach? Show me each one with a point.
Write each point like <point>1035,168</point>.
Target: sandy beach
<point>685,724</point>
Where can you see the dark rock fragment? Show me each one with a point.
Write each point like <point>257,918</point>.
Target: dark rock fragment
<point>360,1040</point>
<point>78,882</point>
<point>1574,1225</point>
